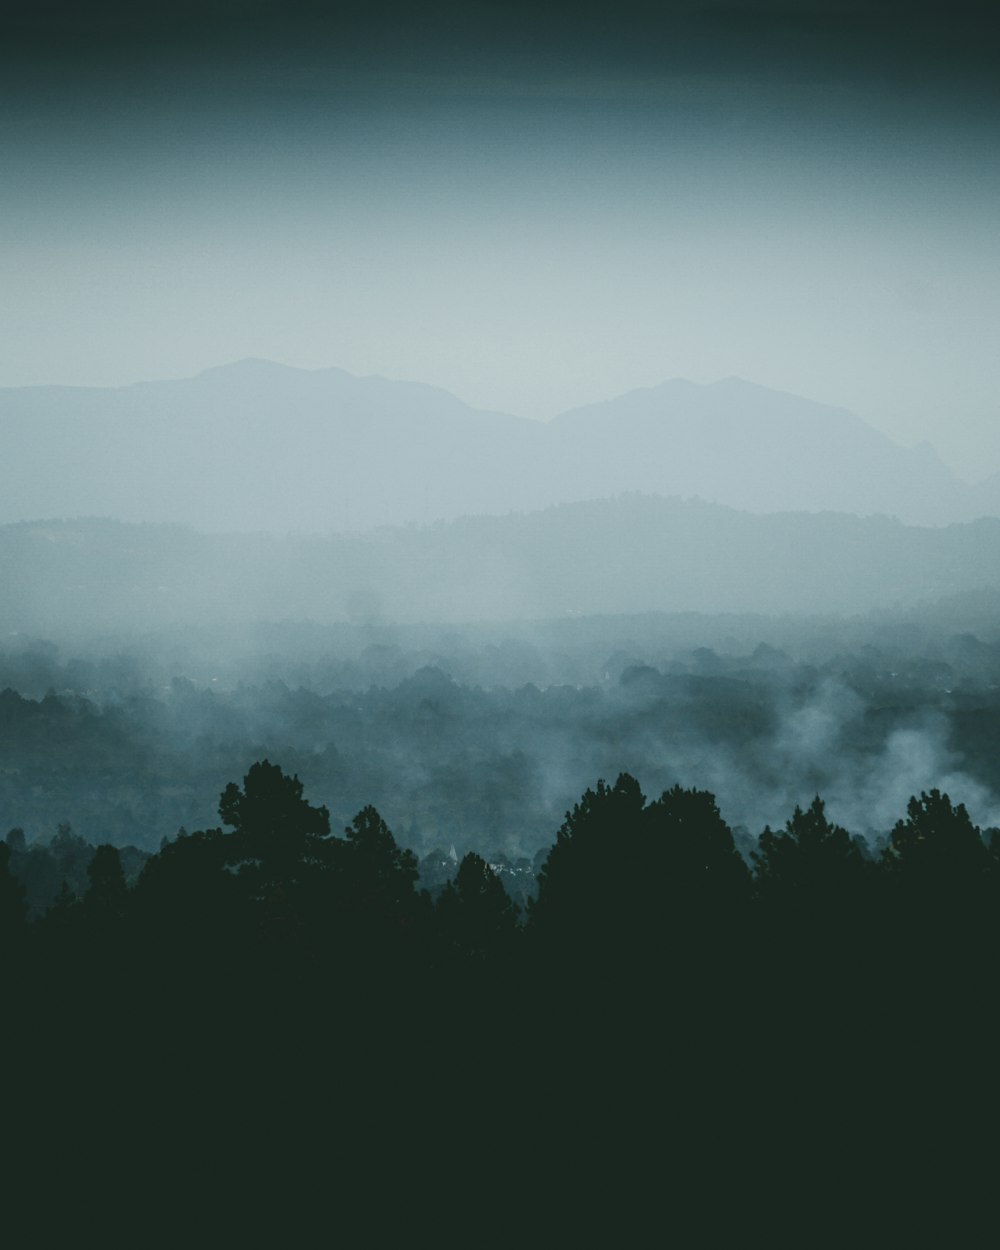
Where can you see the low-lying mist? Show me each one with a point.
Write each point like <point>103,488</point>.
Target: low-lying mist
<point>631,554</point>
<point>482,737</point>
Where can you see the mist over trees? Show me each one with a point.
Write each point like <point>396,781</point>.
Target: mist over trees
<point>481,739</point>
<point>424,825</point>
<point>626,879</point>
<point>430,913</point>
<point>430,909</point>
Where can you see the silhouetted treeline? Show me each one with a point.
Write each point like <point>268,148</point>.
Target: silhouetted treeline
<point>628,883</point>
<point>58,866</point>
<point>662,1014</point>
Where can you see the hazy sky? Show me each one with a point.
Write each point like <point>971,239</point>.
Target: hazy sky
<point>532,211</point>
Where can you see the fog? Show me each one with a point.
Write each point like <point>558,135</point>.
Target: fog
<point>534,209</point>
<point>500,591</point>
<point>481,738</point>
<point>458,407</point>
<point>260,447</point>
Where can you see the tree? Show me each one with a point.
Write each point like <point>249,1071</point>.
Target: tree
<point>937,847</point>
<point>813,887</point>
<point>277,836</point>
<point>689,888</point>
<point>586,868</point>
<point>374,920</point>
<point>942,887</point>
<point>475,914</point>
<point>107,894</point>
<point>70,855</point>
<point>690,844</point>
<point>378,875</point>
<point>811,863</point>
<point>630,882</point>
<point>13,909</point>
<point>187,890</point>
<point>64,909</point>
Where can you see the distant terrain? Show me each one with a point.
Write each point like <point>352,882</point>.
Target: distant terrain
<point>257,446</point>
<point>466,618</point>
<point>620,556</point>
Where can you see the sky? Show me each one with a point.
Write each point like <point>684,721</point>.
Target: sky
<point>532,208</point>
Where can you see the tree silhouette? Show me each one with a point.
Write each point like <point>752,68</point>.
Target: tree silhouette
<point>587,865</point>
<point>629,891</point>
<point>377,874</point>
<point>13,909</point>
<point>107,894</point>
<point>815,891</point>
<point>64,909</point>
<point>101,920</point>
<point>810,863</point>
<point>278,837</point>
<point>691,848</point>
<point>688,888</point>
<point>188,901</point>
<point>941,892</point>
<point>475,914</point>
<point>937,847</point>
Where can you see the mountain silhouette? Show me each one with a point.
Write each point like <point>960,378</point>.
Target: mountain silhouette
<point>750,447</point>
<point>257,446</point>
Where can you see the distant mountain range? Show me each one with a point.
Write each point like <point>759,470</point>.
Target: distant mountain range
<point>628,555</point>
<point>257,446</point>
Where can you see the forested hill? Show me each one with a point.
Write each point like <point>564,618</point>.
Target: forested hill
<point>260,446</point>
<point>631,554</point>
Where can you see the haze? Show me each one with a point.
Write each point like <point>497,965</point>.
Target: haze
<point>279,286</point>
<point>532,473</point>
<point>534,212</point>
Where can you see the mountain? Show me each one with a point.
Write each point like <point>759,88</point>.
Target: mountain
<point>986,496</point>
<point>255,446</point>
<point>260,446</point>
<point>757,449</point>
<point>627,555</point>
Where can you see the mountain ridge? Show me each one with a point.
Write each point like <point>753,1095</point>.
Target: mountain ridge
<point>257,445</point>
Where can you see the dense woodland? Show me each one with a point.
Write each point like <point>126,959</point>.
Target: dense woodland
<point>621,870</point>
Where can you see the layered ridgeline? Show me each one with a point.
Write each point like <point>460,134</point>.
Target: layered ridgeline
<point>632,554</point>
<point>259,446</point>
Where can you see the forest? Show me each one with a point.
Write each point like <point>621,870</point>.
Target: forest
<point>499,599</point>
<point>359,882</point>
<point>623,874</point>
<point>482,740</point>
<point>294,976</point>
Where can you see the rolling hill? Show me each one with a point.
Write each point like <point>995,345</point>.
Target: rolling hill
<point>632,554</point>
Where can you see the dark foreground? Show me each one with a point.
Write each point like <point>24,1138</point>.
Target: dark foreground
<point>276,1034</point>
